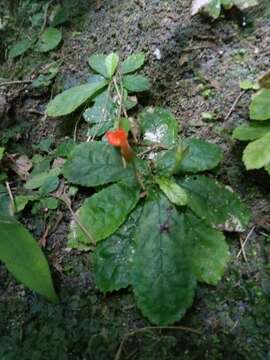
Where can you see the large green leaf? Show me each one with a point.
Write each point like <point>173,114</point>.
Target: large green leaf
<point>95,163</point>
<point>210,252</point>
<point>200,156</point>
<point>257,153</point>
<point>260,106</point>
<point>136,83</point>
<point>159,126</point>
<point>133,63</point>
<point>162,277</point>
<point>215,203</point>
<point>253,131</point>
<point>69,100</point>
<point>103,213</point>
<point>49,40</point>
<point>24,259</point>
<point>112,257</point>
<point>43,179</point>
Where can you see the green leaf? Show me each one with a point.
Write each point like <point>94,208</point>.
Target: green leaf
<point>95,163</point>
<point>111,63</point>
<point>215,203</point>
<point>210,252</point>
<point>169,161</point>
<point>257,153</point>
<point>174,192</point>
<point>264,81</point>
<point>260,106</point>
<point>136,83</point>
<point>22,200</point>
<point>133,63</point>
<point>209,7</point>
<point>244,4</point>
<point>162,277</point>
<point>102,115</point>
<point>112,257</point>
<point>41,179</point>
<point>2,150</point>
<point>159,126</point>
<point>19,48</point>
<point>200,156</point>
<point>5,205</point>
<point>49,40</point>
<point>69,100</point>
<point>253,131</point>
<point>98,63</point>
<point>103,213</point>
<point>267,168</point>
<point>24,259</point>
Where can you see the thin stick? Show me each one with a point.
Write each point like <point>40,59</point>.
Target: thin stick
<point>15,82</point>
<point>246,240</point>
<point>243,249</point>
<point>234,105</point>
<point>45,16</point>
<point>149,328</point>
<point>66,201</point>
<point>13,205</point>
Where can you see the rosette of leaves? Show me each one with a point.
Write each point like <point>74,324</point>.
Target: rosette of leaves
<point>213,8</point>
<point>110,92</point>
<point>157,223</point>
<point>257,153</point>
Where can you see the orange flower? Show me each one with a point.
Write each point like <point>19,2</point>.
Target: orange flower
<point>119,138</point>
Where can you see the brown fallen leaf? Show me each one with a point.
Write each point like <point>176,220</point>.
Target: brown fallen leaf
<point>21,165</point>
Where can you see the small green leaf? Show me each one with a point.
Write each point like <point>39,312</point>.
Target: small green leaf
<point>22,200</point>
<point>200,156</point>
<point>260,106</point>
<point>136,83</point>
<point>103,213</point>
<point>98,63</point>
<point>112,257</point>
<point>69,100</point>
<point>257,153</point>
<point>159,126</point>
<point>49,40</point>
<point>19,48</point>
<point>162,277</point>
<point>95,163</point>
<point>133,63</point>
<point>111,63</point>
<point>210,252</point>
<point>174,192</point>
<point>215,203</point>
<point>253,131</point>
<point>24,259</point>
<point>209,7</point>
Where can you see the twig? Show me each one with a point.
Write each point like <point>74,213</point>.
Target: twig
<point>13,205</point>
<point>15,82</point>
<point>65,199</point>
<point>246,240</point>
<point>149,328</point>
<point>45,16</point>
<point>42,241</point>
<point>234,105</point>
<point>243,249</point>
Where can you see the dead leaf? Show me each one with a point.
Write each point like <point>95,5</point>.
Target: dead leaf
<point>21,166</point>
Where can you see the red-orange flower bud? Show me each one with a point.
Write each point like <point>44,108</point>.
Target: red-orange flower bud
<point>119,138</point>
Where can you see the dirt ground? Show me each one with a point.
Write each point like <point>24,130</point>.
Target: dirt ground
<point>199,69</point>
